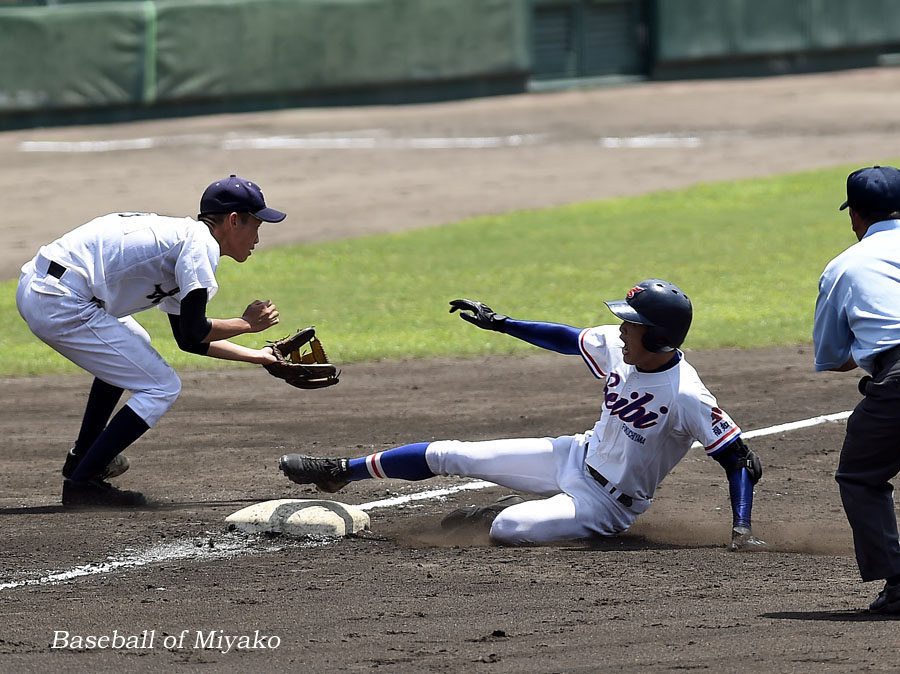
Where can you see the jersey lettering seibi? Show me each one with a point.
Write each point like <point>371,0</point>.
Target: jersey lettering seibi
<point>135,261</point>
<point>649,420</point>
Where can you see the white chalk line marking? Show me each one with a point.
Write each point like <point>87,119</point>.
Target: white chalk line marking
<point>795,425</point>
<point>425,495</point>
<point>655,141</point>
<point>224,547</point>
<point>368,140</point>
<point>232,547</point>
<point>364,139</point>
<point>372,143</point>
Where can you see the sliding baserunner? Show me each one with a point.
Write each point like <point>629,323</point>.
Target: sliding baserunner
<point>653,407</point>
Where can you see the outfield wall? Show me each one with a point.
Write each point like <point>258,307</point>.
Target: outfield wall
<point>753,37</point>
<point>71,61</point>
<point>175,55</point>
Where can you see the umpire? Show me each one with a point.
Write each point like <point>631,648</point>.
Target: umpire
<point>857,323</point>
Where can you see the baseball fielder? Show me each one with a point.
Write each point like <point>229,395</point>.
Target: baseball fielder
<point>79,295</point>
<point>653,407</point>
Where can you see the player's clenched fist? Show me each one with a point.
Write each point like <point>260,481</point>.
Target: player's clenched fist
<point>480,314</point>
<point>260,315</point>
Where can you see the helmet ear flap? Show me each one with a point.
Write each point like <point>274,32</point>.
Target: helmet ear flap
<point>654,340</point>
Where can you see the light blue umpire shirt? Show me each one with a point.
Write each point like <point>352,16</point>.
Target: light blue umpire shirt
<point>858,308</point>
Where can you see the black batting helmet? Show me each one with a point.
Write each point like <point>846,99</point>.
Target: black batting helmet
<point>661,306</point>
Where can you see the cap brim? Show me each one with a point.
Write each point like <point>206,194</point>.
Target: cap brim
<point>844,205</point>
<point>269,215</point>
<point>626,312</point>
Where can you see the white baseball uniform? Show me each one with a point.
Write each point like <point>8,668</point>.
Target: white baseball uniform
<point>648,423</point>
<point>79,293</point>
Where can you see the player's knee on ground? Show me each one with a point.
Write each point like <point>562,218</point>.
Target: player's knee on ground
<point>507,530</point>
<point>517,526</point>
<point>538,521</point>
<point>152,403</point>
<point>510,530</point>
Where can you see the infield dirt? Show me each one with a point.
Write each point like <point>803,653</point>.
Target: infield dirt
<point>667,596</point>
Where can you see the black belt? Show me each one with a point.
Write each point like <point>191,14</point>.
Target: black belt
<point>886,359</point>
<point>56,269</point>
<point>624,499</point>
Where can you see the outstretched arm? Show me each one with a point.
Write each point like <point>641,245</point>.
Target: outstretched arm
<point>743,469</point>
<point>551,336</point>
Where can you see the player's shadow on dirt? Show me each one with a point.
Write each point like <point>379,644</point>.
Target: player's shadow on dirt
<point>830,616</point>
<point>181,505</point>
<point>630,541</point>
<point>34,510</point>
<point>151,506</point>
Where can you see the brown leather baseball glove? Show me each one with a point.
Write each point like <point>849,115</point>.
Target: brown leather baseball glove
<point>304,370</point>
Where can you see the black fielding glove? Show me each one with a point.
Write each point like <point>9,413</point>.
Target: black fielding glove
<point>481,315</point>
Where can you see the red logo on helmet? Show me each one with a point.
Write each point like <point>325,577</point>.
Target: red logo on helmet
<point>634,291</point>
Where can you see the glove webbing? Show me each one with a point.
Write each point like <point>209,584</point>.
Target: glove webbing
<point>316,355</point>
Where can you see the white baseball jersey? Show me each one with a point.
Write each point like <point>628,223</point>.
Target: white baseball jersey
<point>649,419</point>
<point>131,262</point>
<point>134,261</point>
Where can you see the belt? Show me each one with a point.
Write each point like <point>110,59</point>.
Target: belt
<point>886,359</point>
<point>624,499</point>
<point>56,269</point>
<point>47,266</point>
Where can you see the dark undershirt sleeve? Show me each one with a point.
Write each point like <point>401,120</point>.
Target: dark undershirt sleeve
<point>192,326</point>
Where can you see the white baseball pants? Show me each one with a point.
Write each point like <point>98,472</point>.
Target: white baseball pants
<point>62,314</point>
<point>576,507</point>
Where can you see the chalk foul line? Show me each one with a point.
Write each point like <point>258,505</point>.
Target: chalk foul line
<point>228,546</point>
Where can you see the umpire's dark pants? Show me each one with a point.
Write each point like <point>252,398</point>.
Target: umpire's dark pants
<point>869,458</point>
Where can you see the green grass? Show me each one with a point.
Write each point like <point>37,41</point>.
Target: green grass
<point>749,253</point>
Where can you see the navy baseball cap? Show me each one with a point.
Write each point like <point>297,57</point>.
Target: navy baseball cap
<point>875,189</point>
<point>236,195</point>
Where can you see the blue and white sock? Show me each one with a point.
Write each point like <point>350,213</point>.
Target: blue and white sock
<point>406,463</point>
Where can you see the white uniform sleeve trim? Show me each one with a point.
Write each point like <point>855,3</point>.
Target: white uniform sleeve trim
<point>591,363</point>
<point>733,434</point>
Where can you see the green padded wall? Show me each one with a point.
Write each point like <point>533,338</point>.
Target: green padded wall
<point>135,54</point>
<point>72,56</point>
<point>284,45</point>
<point>702,29</point>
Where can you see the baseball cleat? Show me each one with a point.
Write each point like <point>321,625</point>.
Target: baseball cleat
<point>96,492</point>
<point>743,539</point>
<point>329,475</point>
<point>113,469</point>
<point>888,600</point>
<point>471,516</point>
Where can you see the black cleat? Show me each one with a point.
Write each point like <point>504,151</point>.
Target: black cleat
<point>888,600</point>
<point>479,516</point>
<point>113,469</point>
<point>329,475</point>
<point>96,492</point>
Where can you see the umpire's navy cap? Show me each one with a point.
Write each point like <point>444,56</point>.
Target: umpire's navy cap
<point>875,189</point>
<point>236,195</point>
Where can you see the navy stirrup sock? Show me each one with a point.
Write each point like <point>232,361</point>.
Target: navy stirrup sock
<point>406,462</point>
<point>125,428</point>
<point>100,405</point>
